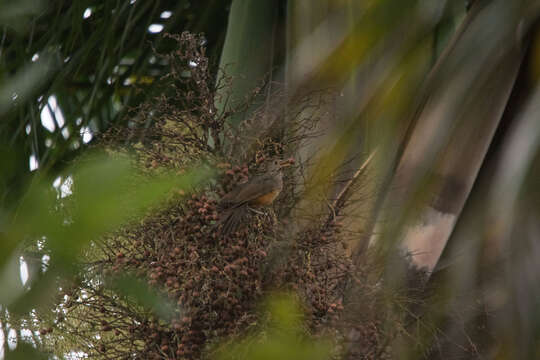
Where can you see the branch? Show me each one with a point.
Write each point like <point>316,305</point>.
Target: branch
<point>339,202</point>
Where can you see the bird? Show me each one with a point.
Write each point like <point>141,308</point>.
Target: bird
<point>258,191</point>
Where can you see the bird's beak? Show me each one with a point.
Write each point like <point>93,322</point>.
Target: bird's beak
<point>286,163</point>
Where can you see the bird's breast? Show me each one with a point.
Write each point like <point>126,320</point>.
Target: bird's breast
<point>266,199</point>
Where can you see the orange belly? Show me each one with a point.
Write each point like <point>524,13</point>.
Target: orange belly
<point>266,199</point>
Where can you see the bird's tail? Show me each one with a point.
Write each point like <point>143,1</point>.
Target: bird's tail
<point>231,219</point>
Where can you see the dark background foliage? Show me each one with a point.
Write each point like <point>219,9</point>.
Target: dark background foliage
<point>93,66</point>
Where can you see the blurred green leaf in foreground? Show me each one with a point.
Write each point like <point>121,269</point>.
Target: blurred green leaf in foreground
<point>281,337</point>
<point>107,192</point>
<point>146,297</point>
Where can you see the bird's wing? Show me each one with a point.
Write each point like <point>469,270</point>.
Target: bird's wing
<point>254,188</point>
<point>231,195</point>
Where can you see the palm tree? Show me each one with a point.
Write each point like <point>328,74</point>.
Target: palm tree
<point>421,143</point>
